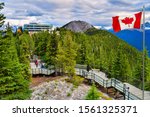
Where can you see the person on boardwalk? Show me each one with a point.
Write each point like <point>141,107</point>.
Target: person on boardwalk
<point>88,68</point>
<point>36,63</point>
<point>42,65</point>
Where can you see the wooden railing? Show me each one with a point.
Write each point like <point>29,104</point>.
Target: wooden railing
<point>35,71</point>
<point>118,85</point>
<point>109,83</point>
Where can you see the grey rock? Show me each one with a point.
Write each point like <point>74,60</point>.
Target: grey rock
<point>59,90</point>
<point>78,26</point>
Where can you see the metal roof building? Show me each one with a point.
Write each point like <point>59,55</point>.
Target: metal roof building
<point>35,27</point>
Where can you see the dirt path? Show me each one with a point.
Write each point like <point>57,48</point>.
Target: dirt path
<point>39,80</point>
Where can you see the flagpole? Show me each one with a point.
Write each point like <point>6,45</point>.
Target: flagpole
<point>143,85</point>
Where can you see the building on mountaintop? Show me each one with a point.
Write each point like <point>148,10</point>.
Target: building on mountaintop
<point>36,27</point>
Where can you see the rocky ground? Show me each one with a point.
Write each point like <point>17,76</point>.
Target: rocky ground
<point>57,89</point>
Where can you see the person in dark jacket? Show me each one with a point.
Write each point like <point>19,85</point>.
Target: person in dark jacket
<point>36,63</point>
<point>42,65</point>
<point>88,68</point>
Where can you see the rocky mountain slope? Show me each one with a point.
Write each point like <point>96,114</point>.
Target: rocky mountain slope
<point>78,26</point>
<point>61,90</point>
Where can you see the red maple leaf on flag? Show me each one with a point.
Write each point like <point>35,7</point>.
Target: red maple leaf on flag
<point>127,20</point>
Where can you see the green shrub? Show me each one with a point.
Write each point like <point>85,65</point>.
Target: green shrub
<point>93,93</point>
<point>77,80</point>
<point>68,94</point>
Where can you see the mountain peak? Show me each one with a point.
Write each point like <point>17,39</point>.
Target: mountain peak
<point>78,26</point>
<point>147,25</point>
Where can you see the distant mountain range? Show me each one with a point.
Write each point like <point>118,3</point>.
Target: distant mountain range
<point>135,37</point>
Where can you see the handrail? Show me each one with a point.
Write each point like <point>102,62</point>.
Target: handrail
<point>90,75</point>
<point>112,83</point>
<point>41,71</point>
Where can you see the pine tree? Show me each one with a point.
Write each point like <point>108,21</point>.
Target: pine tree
<point>121,68</point>
<point>52,48</point>
<point>40,40</point>
<point>67,52</point>
<point>12,82</point>
<point>24,45</point>
<point>82,53</point>
<point>126,70</point>
<point>138,73</point>
<point>93,93</point>
<point>117,67</point>
<point>2,17</point>
<point>60,59</point>
<point>110,64</point>
<point>137,79</point>
<point>147,71</point>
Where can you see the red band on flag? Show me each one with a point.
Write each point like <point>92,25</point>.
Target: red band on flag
<point>116,24</point>
<point>137,23</point>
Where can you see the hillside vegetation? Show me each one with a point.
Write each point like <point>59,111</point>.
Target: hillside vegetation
<point>98,48</point>
<point>14,61</point>
<point>15,50</point>
<point>64,49</point>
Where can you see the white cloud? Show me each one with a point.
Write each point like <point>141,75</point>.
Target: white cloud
<point>21,22</point>
<point>59,12</point>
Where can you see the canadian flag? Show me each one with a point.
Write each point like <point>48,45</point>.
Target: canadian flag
<point>121,23</point>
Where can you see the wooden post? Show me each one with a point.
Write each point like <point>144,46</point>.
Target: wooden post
<point>111,82</point>
<point>128,93</point>
<point>103,82</point>
<point>107,86</point>
<point>92,76</point>
<point>124,91</point>
<point>84,73</point>
<point>115,83</point>
<point>115,87</point>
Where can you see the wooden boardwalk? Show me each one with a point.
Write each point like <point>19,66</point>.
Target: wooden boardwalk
<point>129,91</point>
<point>40,71</point>
<point>138,92</point>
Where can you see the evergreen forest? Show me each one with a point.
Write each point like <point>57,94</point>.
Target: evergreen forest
<point>98,48</point>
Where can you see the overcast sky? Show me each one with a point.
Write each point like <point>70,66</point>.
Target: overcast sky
<point>60,12</point>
